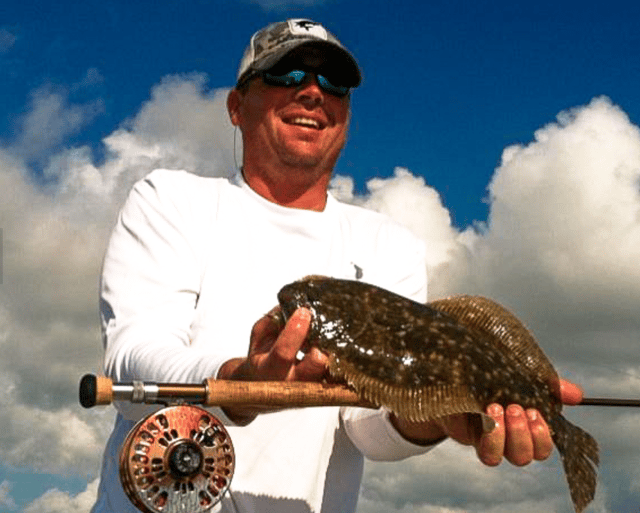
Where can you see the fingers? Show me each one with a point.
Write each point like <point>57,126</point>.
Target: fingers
<point>541,435</point>
<point>519,436</point>
<point>274,350</point>
<point>518,447</point>
<point>312,367</point>
<point>278,361</point>
<point>570,393</point>
<point>291,338</point>
<point>490,447</point>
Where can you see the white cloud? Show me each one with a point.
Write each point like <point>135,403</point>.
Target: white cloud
<point>50,120</point>
<point>190,124</point>
<point>567,205</point>
<point>450,477</point>
<point>6,501</point>
<point>56,501</point>
<point>53,244</point>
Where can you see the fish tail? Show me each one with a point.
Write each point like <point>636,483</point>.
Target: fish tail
<point>579,453</point>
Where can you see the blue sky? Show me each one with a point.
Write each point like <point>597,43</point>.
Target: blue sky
<point>94,94</point>
<point>447,85</point>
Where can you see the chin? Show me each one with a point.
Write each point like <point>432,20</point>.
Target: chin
<point>310,159</point>
<point>301,158</point>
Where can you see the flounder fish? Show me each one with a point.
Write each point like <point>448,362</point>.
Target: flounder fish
<point>455,355</point>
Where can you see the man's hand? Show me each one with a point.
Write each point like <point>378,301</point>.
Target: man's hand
<point>519,436</point>
<point>272,356</point>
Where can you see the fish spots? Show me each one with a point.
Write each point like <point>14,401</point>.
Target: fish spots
<point>451,356</point>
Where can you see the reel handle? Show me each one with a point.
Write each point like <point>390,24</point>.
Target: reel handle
<point>100,390</point>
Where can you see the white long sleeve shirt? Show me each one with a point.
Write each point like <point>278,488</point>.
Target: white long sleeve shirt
<point>192,263</point>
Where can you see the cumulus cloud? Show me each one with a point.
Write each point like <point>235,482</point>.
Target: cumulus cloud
<point>560,248</point>
<point>6,501</point>
<point>50,119</point>
<point>585,239</point>
<point>56,501</point>
<point>53,242</point>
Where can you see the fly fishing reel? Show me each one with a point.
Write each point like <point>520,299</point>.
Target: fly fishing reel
<point>179,459</point>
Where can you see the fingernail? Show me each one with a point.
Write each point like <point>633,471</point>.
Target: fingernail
<point>513,410</point>
<point>303,313</point>
<point>532,415</point>
<point>495,410</point>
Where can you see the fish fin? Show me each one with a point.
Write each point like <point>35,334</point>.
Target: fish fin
<point>504,328</point>
<point>579,454</point>
<point>415,404</point>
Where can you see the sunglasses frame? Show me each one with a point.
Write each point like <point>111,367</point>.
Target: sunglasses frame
<point>296,77</point>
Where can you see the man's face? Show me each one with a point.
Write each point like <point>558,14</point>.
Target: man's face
<point>301,126</point>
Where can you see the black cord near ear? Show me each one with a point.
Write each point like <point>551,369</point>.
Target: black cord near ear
<point>235,158</point>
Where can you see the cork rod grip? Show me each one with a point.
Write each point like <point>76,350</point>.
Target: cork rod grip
<point>100,390</point>
<point>293,394</point>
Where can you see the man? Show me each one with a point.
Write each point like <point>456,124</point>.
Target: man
<point>193,262</point>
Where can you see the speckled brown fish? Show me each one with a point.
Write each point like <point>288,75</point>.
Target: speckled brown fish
<point>455,355</point>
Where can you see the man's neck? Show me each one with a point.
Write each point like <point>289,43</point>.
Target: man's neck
<point>288,190</point>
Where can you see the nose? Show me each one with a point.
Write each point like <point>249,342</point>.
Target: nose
<point>309,93</point>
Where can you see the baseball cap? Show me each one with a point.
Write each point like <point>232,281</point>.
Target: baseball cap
<point>269,45</point>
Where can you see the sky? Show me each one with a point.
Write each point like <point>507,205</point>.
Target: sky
<point>504,135</point>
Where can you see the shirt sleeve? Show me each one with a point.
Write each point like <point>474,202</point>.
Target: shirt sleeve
<point>149,288</point>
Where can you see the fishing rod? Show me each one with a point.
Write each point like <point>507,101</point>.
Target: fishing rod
<point>599,401</point>
<point>100,390</point>
<point>182,456</point>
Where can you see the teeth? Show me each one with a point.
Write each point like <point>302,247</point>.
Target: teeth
<point>305,122</point>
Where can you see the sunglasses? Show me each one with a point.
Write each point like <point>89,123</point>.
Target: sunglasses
<point>297,77</point>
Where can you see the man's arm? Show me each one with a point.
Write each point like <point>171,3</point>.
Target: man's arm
<point>150,284</point>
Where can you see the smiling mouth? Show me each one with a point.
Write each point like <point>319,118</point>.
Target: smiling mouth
<point>304,122</point>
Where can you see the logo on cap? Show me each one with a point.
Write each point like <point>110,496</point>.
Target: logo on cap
<point>307,28</point>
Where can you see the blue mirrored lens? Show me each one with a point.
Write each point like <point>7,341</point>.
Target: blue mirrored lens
<point>296,77</point>
<point>330,88</point>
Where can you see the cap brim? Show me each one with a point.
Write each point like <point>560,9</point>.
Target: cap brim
<point>336,56</point>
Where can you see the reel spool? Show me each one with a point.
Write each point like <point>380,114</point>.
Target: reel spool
<point>180,459</point>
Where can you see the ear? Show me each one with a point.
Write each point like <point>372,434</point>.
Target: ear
<point>233,107</point>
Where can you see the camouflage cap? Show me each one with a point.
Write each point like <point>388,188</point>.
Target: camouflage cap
<point>269,45</point>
